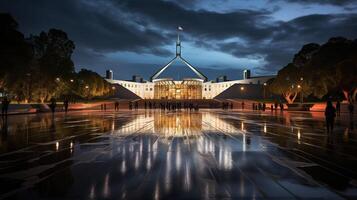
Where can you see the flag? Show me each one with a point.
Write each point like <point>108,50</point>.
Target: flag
<point>180,28</point>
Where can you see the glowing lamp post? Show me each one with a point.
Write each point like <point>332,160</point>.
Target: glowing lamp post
<point>87,91</point>
<point>113,89</point>
<point>301,92</point>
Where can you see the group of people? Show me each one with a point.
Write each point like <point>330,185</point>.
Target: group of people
<point>259,106</point>
<point>227,105</point>
<point>171,105</point>
<point>135,106</point>
<point>53,105</point>
<point>263,106</point>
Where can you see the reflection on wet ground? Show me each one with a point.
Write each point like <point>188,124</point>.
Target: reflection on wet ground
<point>176,155</point>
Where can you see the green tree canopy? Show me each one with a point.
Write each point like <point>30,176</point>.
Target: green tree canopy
<point>15,54</point>
<point>52,63</point>
<point>331,66</point>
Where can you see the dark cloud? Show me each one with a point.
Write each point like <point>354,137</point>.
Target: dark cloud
<point>142,26</point>
<point>91,24</point>
<point>204,24</point>
<point>288,37</point>
<point>332,2</point>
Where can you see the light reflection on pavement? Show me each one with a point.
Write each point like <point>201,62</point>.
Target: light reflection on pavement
<point>176,155</point>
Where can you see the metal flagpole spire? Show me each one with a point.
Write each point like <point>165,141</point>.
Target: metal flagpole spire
<point>178,43</point>
<point>178,33</point>
<point>178,56</point>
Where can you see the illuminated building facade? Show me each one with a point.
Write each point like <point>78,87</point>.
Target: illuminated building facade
<point>187,88</point>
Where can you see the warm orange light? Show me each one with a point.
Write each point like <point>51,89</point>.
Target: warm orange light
<point>242,88</point>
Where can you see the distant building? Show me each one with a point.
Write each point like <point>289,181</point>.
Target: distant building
<point>221,79</point>
<point>109,75</point>
<point>137,79</point>
<point>190,88</point>
<point>246,74</point>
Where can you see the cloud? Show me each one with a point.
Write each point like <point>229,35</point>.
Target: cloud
<point>201,23</point>
<point>91,24</point>
<point>99,28</point>
<point>325,2</point>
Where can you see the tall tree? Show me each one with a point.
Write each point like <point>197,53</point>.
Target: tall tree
<point>333,67</point>
<point>286,83</point>
<point>15,56</point>
<point>90,84</point>
<point>53,63</point>
<point>323,69</point>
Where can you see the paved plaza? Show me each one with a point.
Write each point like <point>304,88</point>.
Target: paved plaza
<point>206,154</point>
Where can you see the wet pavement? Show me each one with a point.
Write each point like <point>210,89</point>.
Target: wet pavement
<point>210,154</point>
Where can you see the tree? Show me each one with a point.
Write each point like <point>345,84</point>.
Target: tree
<point>52,66</point>
<point>15,56</point>
<point>333,67</point>
<point>90,84</point>
<point>287,83</point>
<point>319,70</point>
<point>347,73</point>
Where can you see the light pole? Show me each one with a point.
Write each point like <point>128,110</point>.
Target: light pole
<point>87,91</point>
<point>113,89</point>
<point>301,92</point>
<point>301,95</point>
<point>29,79</point>
<point>264,86</point>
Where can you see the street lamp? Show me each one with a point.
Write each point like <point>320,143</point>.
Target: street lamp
<point>71,80</point>
<point>264,85</point>
<point>301,95</point>
<point>87,91</point>
<point>242,88</point>
<point>301,92</point>
<point>113,89</point>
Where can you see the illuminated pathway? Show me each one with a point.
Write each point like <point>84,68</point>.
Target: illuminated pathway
<point>177,155</point>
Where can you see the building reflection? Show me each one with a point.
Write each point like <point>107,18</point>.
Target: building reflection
<point>177,136</point>
<point>178,124</point>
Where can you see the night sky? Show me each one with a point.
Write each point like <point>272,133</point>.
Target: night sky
<point>219,37</point>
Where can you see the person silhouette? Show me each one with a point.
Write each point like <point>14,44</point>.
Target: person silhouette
<point>5,106</point>
<point>338,107</point>
<point>66,104</point>
<point>330,114</point>
<point>53,105</point>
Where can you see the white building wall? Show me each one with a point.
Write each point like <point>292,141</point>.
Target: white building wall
<point>209,89</point>
<point>143,90</point>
